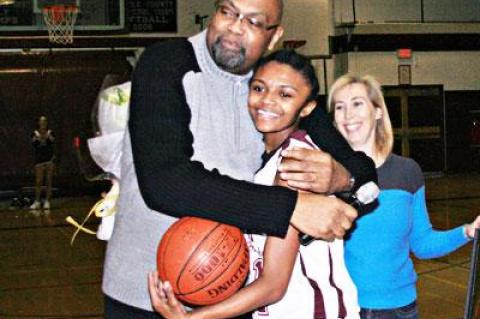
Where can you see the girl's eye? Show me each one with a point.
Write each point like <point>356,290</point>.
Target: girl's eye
<point>257,88</point>
<point>285,94</point>
<point>338,107</point>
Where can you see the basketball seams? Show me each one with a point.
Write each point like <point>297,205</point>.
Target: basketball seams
<point>239,250</point>
<point>218,270</point>
<point>192,255</point>
<point>235,254</point>
<point>165,244</point>
<point>213,250</point>
<point>161,251</point>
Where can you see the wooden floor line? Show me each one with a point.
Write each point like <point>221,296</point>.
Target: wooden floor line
<point>66,268</point>
<point>464,265</point>
<point>446,281</point>
<point>40,287</point>
<point>49,316</point>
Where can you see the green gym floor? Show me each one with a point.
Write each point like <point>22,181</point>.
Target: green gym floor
<point>43,276</point>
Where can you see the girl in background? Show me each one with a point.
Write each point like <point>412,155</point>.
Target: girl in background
<point>43,145</point>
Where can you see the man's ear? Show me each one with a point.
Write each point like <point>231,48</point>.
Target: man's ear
<point>308,108</point>
<point>276,37</point>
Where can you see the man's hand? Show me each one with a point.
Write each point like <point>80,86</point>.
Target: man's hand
<point>313,170</point>
<point>322,217</point>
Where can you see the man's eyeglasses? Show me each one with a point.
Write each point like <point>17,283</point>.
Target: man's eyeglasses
<point>254,22</point>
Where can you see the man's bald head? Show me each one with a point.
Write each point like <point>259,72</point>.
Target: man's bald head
<point>280,10</point>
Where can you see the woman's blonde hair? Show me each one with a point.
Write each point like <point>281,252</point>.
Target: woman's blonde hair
<point>383,129</point>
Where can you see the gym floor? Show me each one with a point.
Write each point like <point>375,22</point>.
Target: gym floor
<point>43,276</point>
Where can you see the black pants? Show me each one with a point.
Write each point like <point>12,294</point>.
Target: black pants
<point>116,310</point>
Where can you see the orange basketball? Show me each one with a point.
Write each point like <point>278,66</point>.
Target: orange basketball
<point>205,261</point>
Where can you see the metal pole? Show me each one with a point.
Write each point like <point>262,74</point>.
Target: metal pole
<point>325,76</point>
<point>353,10</point>
<point>422,12</point>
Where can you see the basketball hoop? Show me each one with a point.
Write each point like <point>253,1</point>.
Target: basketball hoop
<point>60,20</point>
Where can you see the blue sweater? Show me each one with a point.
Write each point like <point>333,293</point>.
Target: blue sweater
<point>377,253</point>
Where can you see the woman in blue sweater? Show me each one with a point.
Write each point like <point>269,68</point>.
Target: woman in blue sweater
<point>377,254</point>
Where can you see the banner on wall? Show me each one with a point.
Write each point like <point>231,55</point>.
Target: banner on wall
<point>151,15</point>
<point>18,15</point>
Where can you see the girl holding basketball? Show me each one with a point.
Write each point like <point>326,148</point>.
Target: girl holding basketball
<point>286,280</point>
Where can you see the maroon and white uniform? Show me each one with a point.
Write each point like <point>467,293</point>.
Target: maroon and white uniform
<point>320,286</point>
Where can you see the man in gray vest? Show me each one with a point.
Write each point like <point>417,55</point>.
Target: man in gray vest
<point>191,149</point>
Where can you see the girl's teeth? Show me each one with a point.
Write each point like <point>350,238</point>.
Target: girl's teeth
<point>267,113</point>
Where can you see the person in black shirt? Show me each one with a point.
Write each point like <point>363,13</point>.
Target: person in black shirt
<point>43,145</point>
<point>191,149</point>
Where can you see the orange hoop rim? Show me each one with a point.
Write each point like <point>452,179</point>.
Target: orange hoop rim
<point>60,8</point>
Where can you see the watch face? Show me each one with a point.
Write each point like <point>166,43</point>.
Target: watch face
<point>351,182</point>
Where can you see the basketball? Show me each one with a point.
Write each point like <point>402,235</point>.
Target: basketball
<point>205,261</point>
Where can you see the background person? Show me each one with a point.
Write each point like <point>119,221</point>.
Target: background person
<point>285,278</point>
<point>377,252</point>
<point>191,149</point>
<point>43,144</point>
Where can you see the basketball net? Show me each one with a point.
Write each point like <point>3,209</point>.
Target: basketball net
<point>60,20</point>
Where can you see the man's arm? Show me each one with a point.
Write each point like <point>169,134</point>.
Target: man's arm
<point>170,182</point>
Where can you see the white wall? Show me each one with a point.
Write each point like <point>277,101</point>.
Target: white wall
<point>308,20</point>
<point>455,70</point>
<point>381,11</point>
<point>458,10</point>
<point>384,11</point>
<point>188,8</point>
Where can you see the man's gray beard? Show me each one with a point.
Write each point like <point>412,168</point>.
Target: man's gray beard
<point>226,60</point>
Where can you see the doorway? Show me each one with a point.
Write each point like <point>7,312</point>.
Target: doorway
<point>417,113</point>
